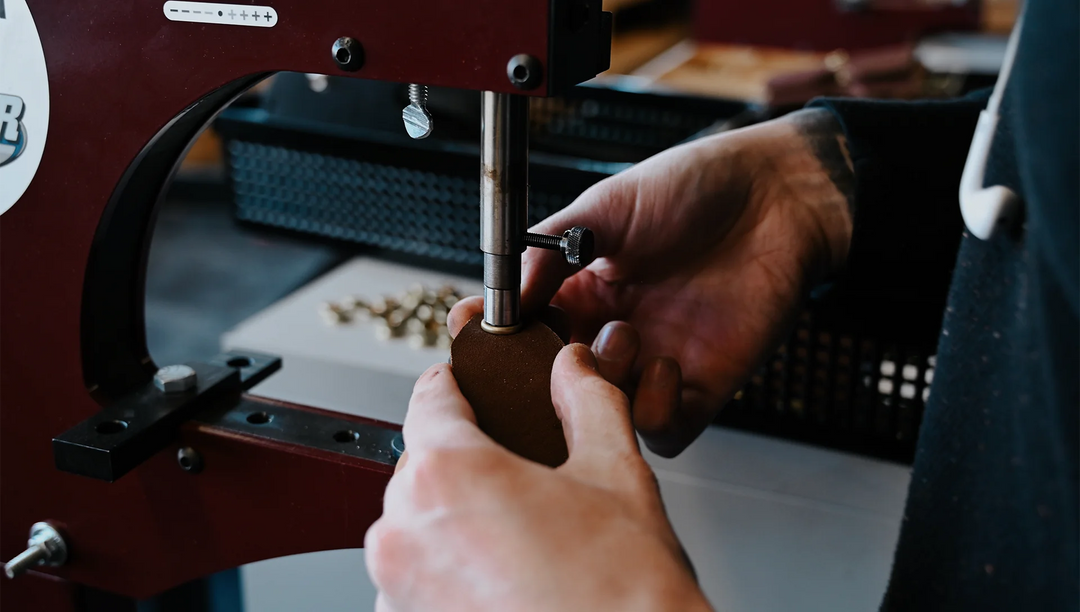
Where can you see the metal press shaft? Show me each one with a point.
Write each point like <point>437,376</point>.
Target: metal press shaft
<point>504,205</point>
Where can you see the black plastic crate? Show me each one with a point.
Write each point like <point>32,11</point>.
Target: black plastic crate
<point>843,379</point>
<point>406,198</point>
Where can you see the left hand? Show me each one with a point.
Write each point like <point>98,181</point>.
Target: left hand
<point>467,525</point>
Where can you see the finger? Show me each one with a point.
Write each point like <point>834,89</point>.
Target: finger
<point>462,313</point>
<point>558,321</point>
<point>438,413</point>
<point>382,604</point>
<point>606,208</point>
<point>660,416</point>
<point>595,414</point>
<point>402,460</point>
<point>616,349</point>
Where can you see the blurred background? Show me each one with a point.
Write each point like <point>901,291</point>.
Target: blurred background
<point>302,219</point>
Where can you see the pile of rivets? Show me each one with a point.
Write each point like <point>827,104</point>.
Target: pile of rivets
<point>419,316</point>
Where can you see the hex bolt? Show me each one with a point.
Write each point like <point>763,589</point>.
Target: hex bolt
<point>418,121</point>
<point>576,244</point>
<point>45,547</point>
<point>175,379</point>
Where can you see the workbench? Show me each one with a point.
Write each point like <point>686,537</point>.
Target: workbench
<point>769,524</point>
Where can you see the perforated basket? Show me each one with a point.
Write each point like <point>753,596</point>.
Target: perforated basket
<point>836,382</point>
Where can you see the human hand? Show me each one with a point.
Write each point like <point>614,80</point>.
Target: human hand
<point>468,525</point>
<point>706,250</point>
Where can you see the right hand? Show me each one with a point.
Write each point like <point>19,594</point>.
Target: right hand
<point>706,250</point>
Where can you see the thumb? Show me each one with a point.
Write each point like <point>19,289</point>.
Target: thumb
<point>595,414</point>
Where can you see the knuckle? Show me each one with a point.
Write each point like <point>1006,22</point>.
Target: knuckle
<point>387,555</point>
<point>439,477</point>
<point>424,384</point>
<point>641,475</point>
<point>603,392</point>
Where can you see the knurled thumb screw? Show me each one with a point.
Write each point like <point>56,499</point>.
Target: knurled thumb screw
<point>576,244</point>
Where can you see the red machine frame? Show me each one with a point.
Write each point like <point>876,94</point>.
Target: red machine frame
<point>129,91</point>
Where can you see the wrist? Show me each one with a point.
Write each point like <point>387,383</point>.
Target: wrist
<point>694,602</point>
<point>824,140</point>
<point>673,588</point>
<point>800,170</point>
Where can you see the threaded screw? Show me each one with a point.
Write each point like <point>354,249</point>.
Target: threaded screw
<point>418,121</point>
<point>576,244</point>
<point>45,547</point>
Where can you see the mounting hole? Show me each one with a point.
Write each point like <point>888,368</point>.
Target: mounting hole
<point>219,13</point>
<point>343,55</point>
<point>346,435</point>
<point>521,74</point>
<point>239,362</point>
<point>106,428</point>
<point>185,462</point>
<point>258,418</point>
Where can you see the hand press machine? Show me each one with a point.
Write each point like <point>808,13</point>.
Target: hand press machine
<point>133,479</point>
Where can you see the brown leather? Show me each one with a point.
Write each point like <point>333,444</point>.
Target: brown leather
<point>507,380</point>
<point>885,72</point>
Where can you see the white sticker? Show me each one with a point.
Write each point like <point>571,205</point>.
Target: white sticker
<point>222,14</point>
<point>24,101</point>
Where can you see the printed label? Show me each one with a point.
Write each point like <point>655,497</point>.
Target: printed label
<point>24,101</point>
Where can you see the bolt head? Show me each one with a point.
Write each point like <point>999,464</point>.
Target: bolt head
<point>348,54</point>
<point>189,460</point>
<point>43,533</point>
<point>418,122</point>
<point>580,243</point>
<point>524,71</point>
<point>175,379</point>
<point>397,446</point>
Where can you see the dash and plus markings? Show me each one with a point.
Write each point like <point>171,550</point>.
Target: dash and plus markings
<point>232,14</point>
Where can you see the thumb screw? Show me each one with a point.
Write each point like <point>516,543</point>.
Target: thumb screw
<point>576,244</point>
<point>418,121</point>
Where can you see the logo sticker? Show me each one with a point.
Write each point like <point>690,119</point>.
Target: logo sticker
<point>12,132</point>
<point>24,101</point>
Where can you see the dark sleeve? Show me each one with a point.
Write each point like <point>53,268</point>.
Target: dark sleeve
<point>908,157</point>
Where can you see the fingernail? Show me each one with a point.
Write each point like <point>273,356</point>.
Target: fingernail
<point>661,373</point>
<point>583,354</point>
<point>616,341</point>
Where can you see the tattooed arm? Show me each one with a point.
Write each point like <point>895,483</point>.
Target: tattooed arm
<point>705,253</point>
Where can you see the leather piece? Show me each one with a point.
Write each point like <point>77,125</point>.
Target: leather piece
<point>507,380</point>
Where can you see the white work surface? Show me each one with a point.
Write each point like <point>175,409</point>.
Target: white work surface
<point>769,525</point>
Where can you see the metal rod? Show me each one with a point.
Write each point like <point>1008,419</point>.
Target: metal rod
<point>31,557</point>
<point>504,206</point>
